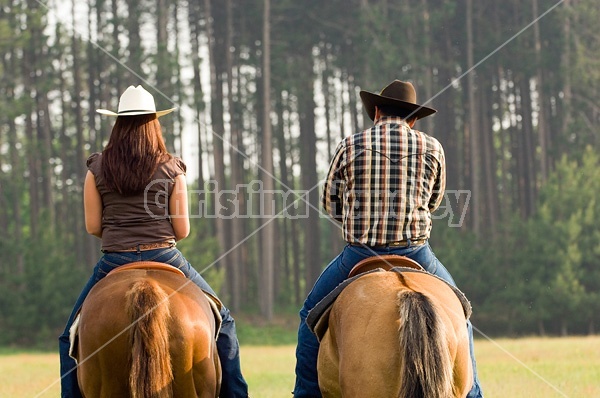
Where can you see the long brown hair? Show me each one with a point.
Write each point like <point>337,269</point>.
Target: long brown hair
<point>134,150</point>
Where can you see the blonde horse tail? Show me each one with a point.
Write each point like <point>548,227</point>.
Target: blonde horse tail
<point>426,367</point>
<point>151,373</point>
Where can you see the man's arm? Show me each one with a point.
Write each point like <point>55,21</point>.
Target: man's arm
<point>439,185</point>
<point>332,198</point>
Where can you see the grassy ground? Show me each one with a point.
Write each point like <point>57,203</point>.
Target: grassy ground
<point>528,368</point>
<point>540,367</point>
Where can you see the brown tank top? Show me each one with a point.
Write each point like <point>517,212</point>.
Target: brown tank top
<point>138,219</point>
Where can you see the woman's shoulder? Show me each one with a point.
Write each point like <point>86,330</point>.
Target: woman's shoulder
<point>94,157</point>
<point>173,167</point>
<point>94,163</point>
<point>180,165</point>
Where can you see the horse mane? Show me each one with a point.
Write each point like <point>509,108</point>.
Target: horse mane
<point>151,373</point>
<point>426,366</point>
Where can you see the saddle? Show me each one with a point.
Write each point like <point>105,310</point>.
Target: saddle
<point>386,262</point>
<point>318,318</point>
<point>147,265</point>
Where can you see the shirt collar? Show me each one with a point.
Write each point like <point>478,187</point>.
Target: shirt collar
<point>391,120</point>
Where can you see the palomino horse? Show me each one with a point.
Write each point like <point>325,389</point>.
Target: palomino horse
<point>394,334</point>
<point>147,333</point>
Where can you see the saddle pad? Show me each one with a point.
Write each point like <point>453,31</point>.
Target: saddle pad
<point>73,332</point>
<point>215,306</point>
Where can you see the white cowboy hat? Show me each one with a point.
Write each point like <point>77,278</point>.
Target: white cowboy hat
<point>135,101</point>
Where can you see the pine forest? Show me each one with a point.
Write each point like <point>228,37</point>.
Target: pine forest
<point>265,91</point>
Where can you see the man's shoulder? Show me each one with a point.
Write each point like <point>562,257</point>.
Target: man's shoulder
<point>351,140</point>
<point>432,145</point>
<point>431,140</point>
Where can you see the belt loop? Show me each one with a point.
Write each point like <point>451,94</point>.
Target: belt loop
<point>138,252</point>
<point>408,242</point>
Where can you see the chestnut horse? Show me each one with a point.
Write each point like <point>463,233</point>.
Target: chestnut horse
<point>147,333</point>
<point>396,334</point>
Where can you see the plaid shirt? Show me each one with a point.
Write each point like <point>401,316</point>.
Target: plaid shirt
<point>383,183</point>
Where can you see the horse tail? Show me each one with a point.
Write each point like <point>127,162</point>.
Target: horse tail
<point>426,367</point>
<point>151,372</point>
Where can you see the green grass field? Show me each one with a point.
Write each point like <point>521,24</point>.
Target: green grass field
<point>528,368</point>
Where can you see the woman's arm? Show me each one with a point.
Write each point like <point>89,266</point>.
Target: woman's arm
<point>92,204</point>
<point>178,208</point>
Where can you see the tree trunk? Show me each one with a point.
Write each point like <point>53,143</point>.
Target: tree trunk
<point>94,73</point>
<point>164,74</point>
<point>295,227</point>
<point>135,48</point>
<point>15,191</point>
<point>543,124</point>
<point>198,102</point>
<point>236,151</point>
<point>565,66</point>
<point>528,148</point>
<point>335,245</point>
<point>284,187</point>
<point>117,78</point>
<point>475,163</point>
<point>268,231</point>
<point>45,153</point>
<point>218,129</point>
<point>88,255</point>
<point>308,165</point>
<point>447,132</point>
<point>178,86</point>
<point>541,328</point>
<point>427,64</point>
<point>32,144</point>
<point>517,153</point>
<point>489,163</point>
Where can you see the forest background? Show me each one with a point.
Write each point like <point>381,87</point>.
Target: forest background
<point>265,90</point>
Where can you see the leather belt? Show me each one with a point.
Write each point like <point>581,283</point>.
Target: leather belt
<point>149,246</point>
<point>400,243</point>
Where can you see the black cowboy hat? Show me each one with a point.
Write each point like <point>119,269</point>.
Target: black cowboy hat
<point>397,94</point>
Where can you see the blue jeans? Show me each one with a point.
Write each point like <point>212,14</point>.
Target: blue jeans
<point>233,383</point>
<point>307,385</point>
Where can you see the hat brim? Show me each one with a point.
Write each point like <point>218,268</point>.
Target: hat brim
<point>371,100</point>
<point>111,113</point>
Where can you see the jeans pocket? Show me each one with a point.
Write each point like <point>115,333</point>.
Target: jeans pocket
<point>432,267</point>
<point>430,261</point>
<point>105,267</point>
<point>352,255</point>
<point>170,256</point>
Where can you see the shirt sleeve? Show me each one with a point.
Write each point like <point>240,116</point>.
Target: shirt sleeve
<point>439,185</point>
<point>94,163</point>
<point>332,198</point>
<point>180,167</point>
